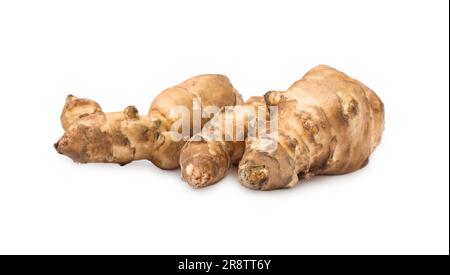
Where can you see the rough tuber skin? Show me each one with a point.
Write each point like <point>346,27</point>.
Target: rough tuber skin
<point>75,108</point>
<point>118,137</point>
<point>328,124</point>
<point>204,161</point>
<point>92,135</point>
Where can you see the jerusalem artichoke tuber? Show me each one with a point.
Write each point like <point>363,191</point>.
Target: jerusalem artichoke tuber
<point>328,124</point>
<point>94,136</point>
<point>206,157</point>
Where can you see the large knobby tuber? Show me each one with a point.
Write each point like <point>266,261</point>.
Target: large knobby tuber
<point>328,124</point>
<point>92,135</point>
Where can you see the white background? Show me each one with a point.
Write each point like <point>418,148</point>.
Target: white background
<point>125,52</point>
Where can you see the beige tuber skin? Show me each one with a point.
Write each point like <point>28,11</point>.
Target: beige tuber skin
<point>205,161</point>
<point>92,135</point>
<point>328,124</point>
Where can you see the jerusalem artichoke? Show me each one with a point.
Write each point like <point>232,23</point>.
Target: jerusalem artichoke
<point>206,157</point>
<point>328,124</point>
<point>94,136</point>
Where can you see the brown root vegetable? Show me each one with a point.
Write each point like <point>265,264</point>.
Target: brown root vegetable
<point>75,108</point>
<point>121,137</point>
<point>118,137</point>
<point>207,156</point>
<point>328,124</point>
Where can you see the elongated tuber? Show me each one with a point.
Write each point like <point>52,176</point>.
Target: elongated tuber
<point>206,157</point>
<point>92,135</point>
<point>328,124</point>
